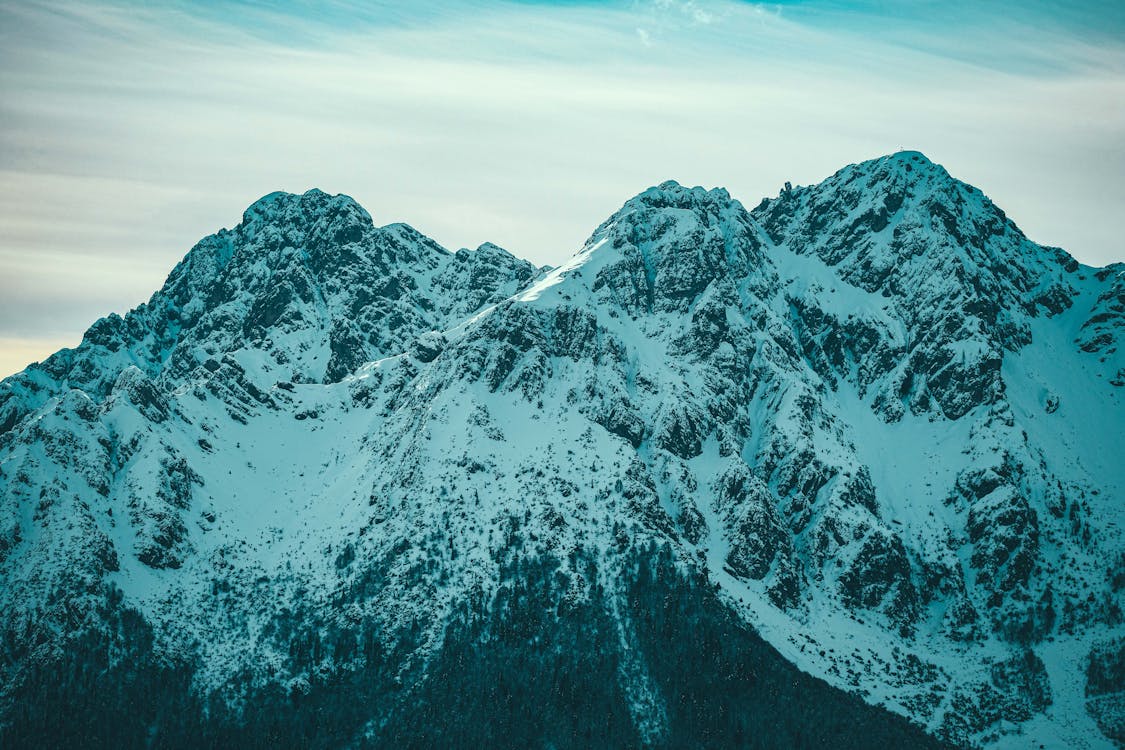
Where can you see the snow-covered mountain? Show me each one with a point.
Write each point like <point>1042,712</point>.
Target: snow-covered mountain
<point>843,469</point>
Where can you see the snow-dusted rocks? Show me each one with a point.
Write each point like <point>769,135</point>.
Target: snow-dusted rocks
<point>958,274</point>
<point>334,482</point>
<point>305,289</point>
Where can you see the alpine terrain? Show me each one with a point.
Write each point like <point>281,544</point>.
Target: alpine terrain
<point>843,470</point>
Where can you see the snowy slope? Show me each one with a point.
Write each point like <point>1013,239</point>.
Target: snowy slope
<point>871,415</point>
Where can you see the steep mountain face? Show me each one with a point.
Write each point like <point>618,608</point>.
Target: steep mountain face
<point>840,469</point>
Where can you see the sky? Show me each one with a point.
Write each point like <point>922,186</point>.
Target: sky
<point>128,131</point>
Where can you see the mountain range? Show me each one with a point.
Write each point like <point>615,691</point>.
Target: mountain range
<point>844,469</point>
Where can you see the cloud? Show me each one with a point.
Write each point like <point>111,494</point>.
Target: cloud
<point>688,8</point>
<point>128,132</point>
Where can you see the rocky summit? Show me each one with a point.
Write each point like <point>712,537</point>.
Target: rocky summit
<point>843,470</point>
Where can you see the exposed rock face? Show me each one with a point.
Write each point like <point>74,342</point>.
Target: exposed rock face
<point>868,421</point>
<point>1105,696</point>
<point>1100,335</point>
<point>960,277</point>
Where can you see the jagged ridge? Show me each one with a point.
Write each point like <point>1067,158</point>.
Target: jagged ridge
<point>867,412</point>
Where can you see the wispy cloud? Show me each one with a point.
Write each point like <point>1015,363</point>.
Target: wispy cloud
<point>127,132</point>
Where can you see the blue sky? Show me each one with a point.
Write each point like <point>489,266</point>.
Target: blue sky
<point>128,131</point>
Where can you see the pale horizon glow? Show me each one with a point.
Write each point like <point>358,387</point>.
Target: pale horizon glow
<point>130,132</point>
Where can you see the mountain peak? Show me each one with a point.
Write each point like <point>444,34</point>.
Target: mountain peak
<point>490,250</point>
<point>906,156</point>
<point>290,208</point>
<point>671,194</point>
<point>906,168</point>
